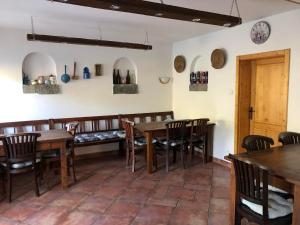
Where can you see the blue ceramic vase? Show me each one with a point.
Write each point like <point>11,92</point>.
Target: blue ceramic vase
<point>86,73</point>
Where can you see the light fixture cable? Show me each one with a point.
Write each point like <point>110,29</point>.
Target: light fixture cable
<point>235,3</point>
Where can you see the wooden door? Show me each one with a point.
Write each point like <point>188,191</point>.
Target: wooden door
<point>269,90</point>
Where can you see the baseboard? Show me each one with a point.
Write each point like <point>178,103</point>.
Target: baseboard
<point>221,162</point>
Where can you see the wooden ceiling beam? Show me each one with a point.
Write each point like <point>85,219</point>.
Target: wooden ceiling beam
<point>158,10</point>
<point>83,41</point>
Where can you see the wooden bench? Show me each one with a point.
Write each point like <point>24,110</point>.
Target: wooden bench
<point>93,130</point>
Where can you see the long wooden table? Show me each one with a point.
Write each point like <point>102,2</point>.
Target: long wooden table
<point>158,129</point>
<point>53,139</point>
<point>281,162</point>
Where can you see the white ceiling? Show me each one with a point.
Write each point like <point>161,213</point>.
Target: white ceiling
<point>63,19</point>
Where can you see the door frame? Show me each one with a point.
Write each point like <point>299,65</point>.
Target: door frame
<point>240,84</point>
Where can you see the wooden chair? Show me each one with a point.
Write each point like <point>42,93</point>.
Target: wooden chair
<point>20,154</point>
<point>254,201</point>
<point>289,138</point>
<point>256,143</point>
<point>176,140</point>
<point>53,156</point>
<point>198,137</point>
<point>134,144</point>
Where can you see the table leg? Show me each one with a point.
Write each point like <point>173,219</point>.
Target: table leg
<point>149,152</point>
<point>64,165</point>
<point>233,195</point>
<point>296,212</point>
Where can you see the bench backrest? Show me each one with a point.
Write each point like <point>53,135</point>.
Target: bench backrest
<point>148,117</point>
<point>88,124</point>
<point>24,126</point>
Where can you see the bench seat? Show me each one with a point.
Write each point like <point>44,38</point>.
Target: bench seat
<point>99,136</point>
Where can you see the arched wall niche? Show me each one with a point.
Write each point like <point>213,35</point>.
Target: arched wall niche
<point>124,64</point>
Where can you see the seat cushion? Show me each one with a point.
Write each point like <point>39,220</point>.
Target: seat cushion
<point>143,141</point>
<point>173,143</point>
<point>21,165</point>
<point>97,136</point>
<point>278,206</point>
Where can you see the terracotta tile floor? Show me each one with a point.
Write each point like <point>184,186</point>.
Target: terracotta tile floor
<point>108,194</point>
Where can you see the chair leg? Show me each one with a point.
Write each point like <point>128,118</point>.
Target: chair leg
<point>174,156</point>
<point>127,156</point>
<point>133,160</point>
<point>47,174</point>
<point>3,183</point>
<point>182,156</point>
<point>9,186</point>
<point>73,170</point>
<point>238,219</point>
<point>167,159</point>
<point>36,180</point>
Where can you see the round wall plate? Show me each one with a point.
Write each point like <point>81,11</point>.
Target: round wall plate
<point>179,63</point>
<point>218,58</point>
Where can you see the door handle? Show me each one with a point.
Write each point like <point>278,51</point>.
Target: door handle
<point>251,111</point>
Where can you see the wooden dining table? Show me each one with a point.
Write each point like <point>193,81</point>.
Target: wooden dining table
<point>53,139</point>
<point>158,129</point>
<point>282,163</point>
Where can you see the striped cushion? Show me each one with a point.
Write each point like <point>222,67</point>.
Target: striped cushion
<point>173,143</point>
<point>143,141</point>
<point>21,165</point>
<point>278,206</point>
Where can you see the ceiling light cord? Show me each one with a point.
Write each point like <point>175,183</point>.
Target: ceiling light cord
<point>234,2</point>
<point>32,28</point>
<point>161,1</point>
<point>146,42</point>
<point>100,33</point>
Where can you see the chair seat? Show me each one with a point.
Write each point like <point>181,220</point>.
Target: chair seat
<point>173,143</point>
<point>21,165</point>
<point>197,139</point>
<point>278,206</point>
<point>143,141</point>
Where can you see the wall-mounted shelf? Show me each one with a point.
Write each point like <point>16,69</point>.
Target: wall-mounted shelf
<point>44,89</point>
<point>198,87</point>
<point>125,89</point>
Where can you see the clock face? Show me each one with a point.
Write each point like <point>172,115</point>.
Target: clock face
<point>260,32</point>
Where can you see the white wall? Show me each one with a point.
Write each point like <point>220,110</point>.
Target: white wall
<point>82,97</point>
<point>219,102</point>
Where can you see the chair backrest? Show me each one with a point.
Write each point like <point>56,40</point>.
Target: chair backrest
<point>176,130</point>
<point>256,143</point>
<point>72,127</point>
<point>289,138</point>
<point>20,147</point>
<point>199,127</point>
<point>251,184</point>
<point>129,131</point>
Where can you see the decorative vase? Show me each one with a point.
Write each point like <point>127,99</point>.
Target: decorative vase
<point>86,73</point>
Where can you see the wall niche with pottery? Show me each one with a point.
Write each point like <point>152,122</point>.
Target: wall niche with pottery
<point>39,74</point>
<point>124,77</point>
<point>198,75</point>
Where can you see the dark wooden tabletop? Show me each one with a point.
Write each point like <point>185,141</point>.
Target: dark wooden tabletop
<point>154,126</point>
<point>283,162</point>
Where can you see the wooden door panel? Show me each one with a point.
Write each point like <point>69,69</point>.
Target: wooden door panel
<point>268,97</point>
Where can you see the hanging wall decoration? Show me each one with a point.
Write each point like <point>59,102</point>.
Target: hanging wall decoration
<point>199,81</point>
<point>260,32</point>
<point>218,58</point>
<point>179,63</point>
<point>65,77</point>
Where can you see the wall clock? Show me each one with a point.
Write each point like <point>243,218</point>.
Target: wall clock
<point>179,63</point>
<point>260,32</point>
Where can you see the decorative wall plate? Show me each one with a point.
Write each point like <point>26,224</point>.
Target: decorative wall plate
<point>179,63</point>
<point>218,58</point>
<point>260,32</point>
